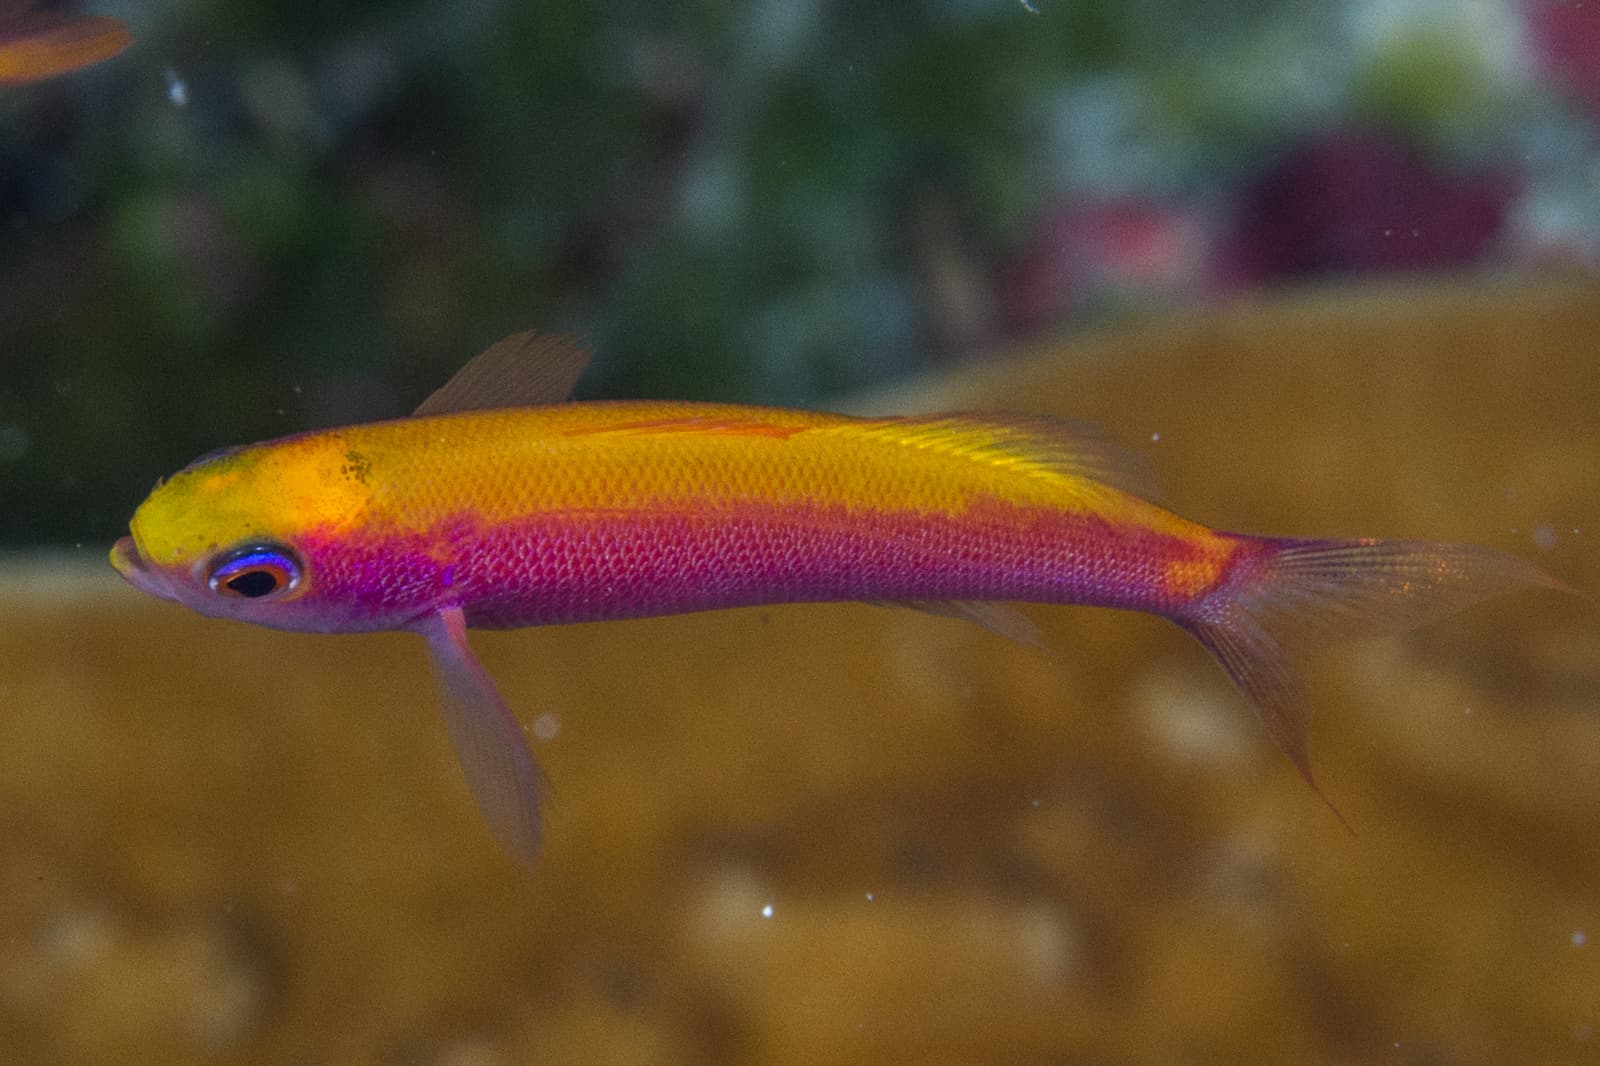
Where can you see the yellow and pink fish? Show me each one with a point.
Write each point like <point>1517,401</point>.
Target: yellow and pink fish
<point>36,45</point>
<point>498,504</point>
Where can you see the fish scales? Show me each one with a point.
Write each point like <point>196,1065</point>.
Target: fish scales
<point>603,511</point>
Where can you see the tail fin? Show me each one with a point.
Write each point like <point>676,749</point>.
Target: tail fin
<point>1283,592</point>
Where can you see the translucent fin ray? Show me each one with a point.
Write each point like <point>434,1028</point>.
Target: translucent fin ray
<point>997,617</point>
<point>1029,443</point>
<point>524,370</point>
<point>500,770</point>
<point>1288,593</point>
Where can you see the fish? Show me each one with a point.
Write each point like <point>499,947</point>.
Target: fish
<point>37,45</point>
<point>502,503</point>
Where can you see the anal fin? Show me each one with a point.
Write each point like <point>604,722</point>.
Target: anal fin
<point>997,617</point>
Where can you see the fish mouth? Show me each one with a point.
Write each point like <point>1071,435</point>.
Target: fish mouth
<point>126,560</point>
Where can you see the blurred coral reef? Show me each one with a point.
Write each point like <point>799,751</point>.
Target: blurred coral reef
<point>845,834</point>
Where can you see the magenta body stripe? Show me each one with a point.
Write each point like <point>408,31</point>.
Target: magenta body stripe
<point>630,564</point>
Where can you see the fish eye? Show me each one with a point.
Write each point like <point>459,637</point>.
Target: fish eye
<point>256,572</point>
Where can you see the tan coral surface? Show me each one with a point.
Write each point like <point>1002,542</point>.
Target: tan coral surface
<point>844,834</point>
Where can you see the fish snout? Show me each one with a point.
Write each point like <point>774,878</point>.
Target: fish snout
<point>126,560</point>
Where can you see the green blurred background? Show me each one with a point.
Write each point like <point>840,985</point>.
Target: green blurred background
<point>266,217</point>
<point>1335,268</point>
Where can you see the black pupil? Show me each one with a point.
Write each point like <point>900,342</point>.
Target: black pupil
<point>253,583</point>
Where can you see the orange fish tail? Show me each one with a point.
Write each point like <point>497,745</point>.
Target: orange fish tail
<point>1280,595</point>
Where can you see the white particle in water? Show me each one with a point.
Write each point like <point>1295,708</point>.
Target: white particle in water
<point>177,88</point>
<point>1156,437</point>
<point>1579,938</point>
<point>546,726</point>
<point>766,912</point>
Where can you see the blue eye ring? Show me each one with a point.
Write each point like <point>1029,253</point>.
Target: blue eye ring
<point>256,572</point>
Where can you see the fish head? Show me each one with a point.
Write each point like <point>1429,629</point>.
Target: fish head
<point>268,533</point>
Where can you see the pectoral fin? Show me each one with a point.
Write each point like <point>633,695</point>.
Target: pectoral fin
<point>489,741</point>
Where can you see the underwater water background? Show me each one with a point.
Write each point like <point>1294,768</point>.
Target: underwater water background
<point>1331,268</point>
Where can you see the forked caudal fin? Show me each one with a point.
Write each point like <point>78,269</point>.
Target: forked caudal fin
<point>1284,592</point>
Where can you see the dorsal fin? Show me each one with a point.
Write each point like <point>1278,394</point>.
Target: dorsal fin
<point>731,424</point>
<point>526,369</point>
<point>1026,442</point>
